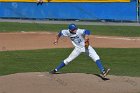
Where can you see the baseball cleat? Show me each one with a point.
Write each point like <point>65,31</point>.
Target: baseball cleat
<point>53,71</point>
<point>105,73</point>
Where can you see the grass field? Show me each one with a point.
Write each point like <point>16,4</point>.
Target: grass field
<point>121,61</point>
<point>96,30</point>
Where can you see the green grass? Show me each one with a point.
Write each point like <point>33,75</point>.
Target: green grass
<point>124,62</point>
<point>95,29</point>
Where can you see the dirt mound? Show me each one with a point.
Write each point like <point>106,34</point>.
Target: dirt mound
<point>67,83</point>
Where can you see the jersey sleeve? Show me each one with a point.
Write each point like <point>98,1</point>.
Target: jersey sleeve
<point>64,32</point>
<point>60,34</point>
<point>86,32</point>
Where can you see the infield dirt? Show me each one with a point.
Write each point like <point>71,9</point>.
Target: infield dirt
<point>43,40</point>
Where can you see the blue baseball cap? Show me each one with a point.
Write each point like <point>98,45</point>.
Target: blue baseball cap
<point>72,27</point>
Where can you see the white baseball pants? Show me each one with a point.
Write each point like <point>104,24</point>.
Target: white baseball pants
<point>77,51</point>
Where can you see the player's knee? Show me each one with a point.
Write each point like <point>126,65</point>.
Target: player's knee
<point>95,58</point>
<point>66,61</point>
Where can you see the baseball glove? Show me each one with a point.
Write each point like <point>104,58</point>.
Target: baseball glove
<point>86,43</point>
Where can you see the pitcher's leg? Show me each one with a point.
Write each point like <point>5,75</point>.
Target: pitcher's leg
<point>76,52</point>
<point>92,53</point>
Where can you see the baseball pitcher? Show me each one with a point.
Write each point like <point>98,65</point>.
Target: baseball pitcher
<point>80,40</point>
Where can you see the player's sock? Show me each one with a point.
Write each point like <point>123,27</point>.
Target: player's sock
<point>60,66</point>
<point>99,65</point>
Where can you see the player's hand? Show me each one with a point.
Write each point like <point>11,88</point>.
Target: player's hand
<point>55,42</point>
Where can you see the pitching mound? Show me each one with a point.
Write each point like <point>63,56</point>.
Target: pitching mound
<point>67,83</point>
